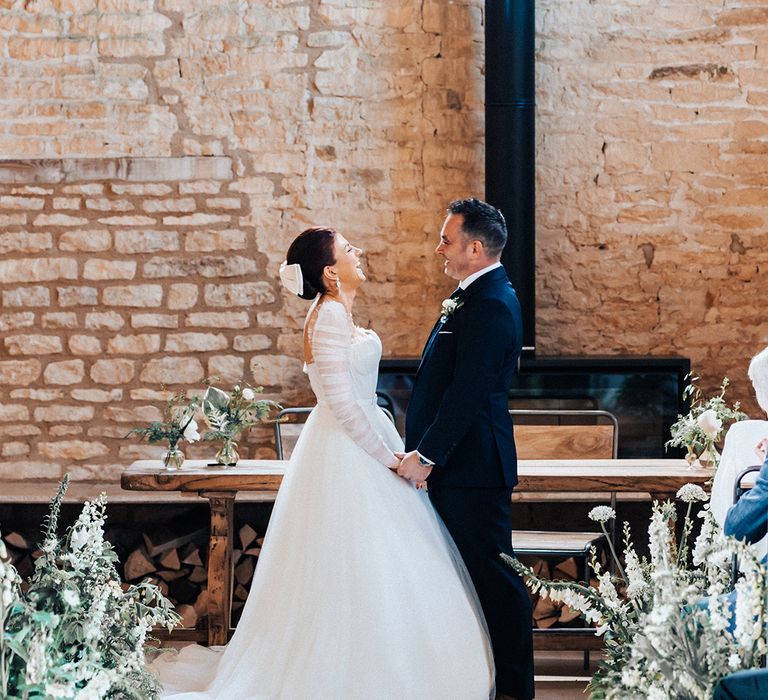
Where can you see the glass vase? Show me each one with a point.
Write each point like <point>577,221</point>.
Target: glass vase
<point>227,456</point>
<point>173,459</point>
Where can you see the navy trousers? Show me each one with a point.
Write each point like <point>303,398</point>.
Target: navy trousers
<point>479,521</point>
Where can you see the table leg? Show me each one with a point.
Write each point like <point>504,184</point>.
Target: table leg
<point>220,565</point>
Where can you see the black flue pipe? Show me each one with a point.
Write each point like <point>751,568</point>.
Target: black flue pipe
<point>510,141</point>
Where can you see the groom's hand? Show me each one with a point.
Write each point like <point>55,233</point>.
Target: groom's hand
<point>410,468</point>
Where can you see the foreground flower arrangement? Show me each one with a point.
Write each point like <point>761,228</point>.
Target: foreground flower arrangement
<point>660,640</point>
<point>76,632</point>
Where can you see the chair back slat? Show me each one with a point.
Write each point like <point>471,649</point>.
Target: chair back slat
<point>565,434</point>
<point>564,441</point>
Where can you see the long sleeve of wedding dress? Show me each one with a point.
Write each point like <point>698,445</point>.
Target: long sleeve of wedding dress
<point>331,341</point>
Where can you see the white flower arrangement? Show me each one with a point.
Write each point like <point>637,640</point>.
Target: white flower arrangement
<point>660,643</point>
<point>75,633</point>
<point>704,425</point>
<point>449,307</point>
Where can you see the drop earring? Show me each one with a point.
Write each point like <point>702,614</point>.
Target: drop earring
<point>338,284</point>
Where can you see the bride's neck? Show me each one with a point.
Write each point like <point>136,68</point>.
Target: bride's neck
<point>344,296</point>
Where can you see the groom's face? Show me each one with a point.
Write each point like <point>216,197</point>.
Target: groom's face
<point>455,248</point>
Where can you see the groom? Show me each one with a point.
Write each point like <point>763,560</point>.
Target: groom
<point>459,434</point>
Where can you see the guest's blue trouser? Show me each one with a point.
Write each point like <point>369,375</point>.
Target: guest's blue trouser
<point>744,685</point>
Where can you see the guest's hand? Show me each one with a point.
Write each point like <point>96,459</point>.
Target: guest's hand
<point>761,449</point>
<point>411,470</point>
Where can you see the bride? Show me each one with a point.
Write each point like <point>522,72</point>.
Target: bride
<point>359,591</point>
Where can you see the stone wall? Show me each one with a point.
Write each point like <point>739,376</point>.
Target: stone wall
<point>162,154</point>
<point>652,181</point>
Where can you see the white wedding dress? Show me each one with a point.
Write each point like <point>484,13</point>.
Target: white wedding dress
<point>359,592</point>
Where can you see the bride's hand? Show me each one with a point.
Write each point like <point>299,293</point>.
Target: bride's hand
<point>394,466</point>
<point>760,450</point>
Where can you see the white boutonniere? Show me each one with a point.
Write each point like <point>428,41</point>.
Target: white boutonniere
<point>449,307</point>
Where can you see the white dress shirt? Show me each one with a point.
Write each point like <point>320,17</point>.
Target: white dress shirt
<point>468,280</point>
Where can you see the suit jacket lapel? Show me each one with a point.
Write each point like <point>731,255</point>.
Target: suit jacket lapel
<point>496,275</point>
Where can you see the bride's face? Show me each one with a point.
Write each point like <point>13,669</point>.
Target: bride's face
<point>348,266</point>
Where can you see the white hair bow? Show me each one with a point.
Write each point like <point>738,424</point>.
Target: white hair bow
<point>291,277</point>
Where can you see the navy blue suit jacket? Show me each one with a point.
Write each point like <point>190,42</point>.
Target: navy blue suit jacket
<point>457,416</point>
<point>748,518</point>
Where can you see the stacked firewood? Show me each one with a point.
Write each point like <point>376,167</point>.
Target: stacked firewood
<point>177,563</point>
<point>551,613</point>
<point>173,559</point>
<point>22,554</point>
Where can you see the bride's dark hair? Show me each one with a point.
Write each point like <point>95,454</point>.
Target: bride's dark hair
<point>313,251</point>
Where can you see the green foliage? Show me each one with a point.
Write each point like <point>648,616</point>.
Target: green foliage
<point>75,632</point>
<point>228,414</point>
<point>705,424</point>
<point>178,416</point>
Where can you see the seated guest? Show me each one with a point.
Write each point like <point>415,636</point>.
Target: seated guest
<point>744,685</point>
<point>747,519</point>
<point>738,452</point>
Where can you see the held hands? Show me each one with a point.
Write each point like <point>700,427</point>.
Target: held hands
<point>410,469</point>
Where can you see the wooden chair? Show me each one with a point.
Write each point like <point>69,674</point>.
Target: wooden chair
<point>564,434</point>
<point>288,425</point>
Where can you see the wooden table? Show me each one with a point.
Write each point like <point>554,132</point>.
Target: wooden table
<point>661,478</point>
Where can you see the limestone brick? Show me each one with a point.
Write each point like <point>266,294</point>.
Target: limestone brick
<point>228,368</point>
<point>147,241</point>
<point>139,344</point>
<point>212,241</point>
<point>97,395</point>
<point>55,414</point>
<point>182,296</point>
<point>104,320</point>
<point>77,296</point>
<point>37,269</point>
<point>244,294</point>
<point>154,321</point>
<point>173,370</point>
<point>62,319</point>
<point>220,319</point>
<point>65,372</point>
<point>99,269</point>
<point>251,343</point>
<point>14,413</point>
<point>10,322</point>
<point>71,450</point>
<point>32,344</point>
<point>195,342</point>
<point>27,296</point>
<point>92,241</point>
<point>143,295</point>
<point>24,242</point>
<point>113,371</point>
<point>84,345</point>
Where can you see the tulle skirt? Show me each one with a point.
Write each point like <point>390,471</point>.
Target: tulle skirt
<point>359,592</point>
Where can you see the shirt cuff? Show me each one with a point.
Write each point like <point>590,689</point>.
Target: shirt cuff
<point>424,461</point>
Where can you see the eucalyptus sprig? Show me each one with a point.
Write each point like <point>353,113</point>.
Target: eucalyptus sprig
<point>178,421</point>
<point>228,414</point>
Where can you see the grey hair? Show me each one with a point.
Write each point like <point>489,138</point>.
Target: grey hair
<point>758,373</point>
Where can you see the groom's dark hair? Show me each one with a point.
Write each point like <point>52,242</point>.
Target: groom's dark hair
<point>482,222</point>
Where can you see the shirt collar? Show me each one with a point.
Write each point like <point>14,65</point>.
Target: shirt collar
<point>468,280</point>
